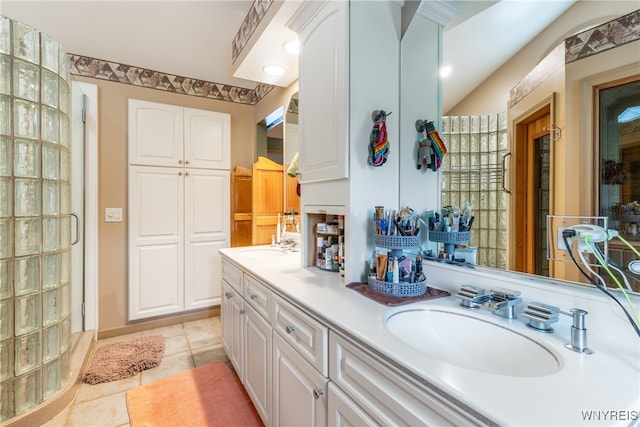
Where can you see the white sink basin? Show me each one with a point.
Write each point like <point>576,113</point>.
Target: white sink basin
<point>472,343</point>
<point>262,252</point>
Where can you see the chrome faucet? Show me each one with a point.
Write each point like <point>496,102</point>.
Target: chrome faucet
<point>501,302</point>
<point>290,222</point>
<point>541,316</point>
<point>578,331</point>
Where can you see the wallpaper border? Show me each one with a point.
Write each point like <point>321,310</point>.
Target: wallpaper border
<point>128,74</point>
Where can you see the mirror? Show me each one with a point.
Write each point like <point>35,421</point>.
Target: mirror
<point>619,160</point>
<point>277,140</point>
<point>569,148</point>
<point>270,136</point>
<point>275,183</point>
<point>291,140</point>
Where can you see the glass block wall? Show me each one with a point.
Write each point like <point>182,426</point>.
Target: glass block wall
<point>35,248</point>
<point>473,171</point>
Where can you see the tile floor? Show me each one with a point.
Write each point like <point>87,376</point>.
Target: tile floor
<point>188,345</point>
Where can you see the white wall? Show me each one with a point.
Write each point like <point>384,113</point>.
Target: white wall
<point>375,76</point>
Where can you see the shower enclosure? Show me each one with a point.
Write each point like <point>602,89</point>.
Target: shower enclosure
<point>35,218</point>
<point>474,171</point>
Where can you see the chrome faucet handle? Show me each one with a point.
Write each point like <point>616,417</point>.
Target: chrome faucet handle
<point>578,331</point>
<point>471,296</point>
<point>541,316</point>
<point>505,293</point>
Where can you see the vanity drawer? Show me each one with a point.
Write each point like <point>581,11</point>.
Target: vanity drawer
<point>232,275</point>
<point>258,295</point>
<point>385,394</point>
<point>308,336</point>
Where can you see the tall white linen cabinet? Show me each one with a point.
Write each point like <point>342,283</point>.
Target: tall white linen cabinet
<point>178,207</point>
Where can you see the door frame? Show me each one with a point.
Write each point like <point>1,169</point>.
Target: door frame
<point>519,248</point>
<point>91,216</point>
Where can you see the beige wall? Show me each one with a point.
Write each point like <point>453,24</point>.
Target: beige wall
<point>493,94</point>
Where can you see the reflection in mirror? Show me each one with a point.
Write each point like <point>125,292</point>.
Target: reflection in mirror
<point>492,170</point>
<point>292,188</point>
<point>267,193</point>
<point>620,165</point>
<point>270,136</point>
<point>473,171</point>
<point>275,189</point>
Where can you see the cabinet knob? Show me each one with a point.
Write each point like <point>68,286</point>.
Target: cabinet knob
<point>253,296</point>
<point>243,311</point>
<point>179,162</point>
<point>228,295</point>
<point>187,173</point>
<point>290,329</point>
<point>317,393</point>
<point>188,162</point>
<point>180,173</point>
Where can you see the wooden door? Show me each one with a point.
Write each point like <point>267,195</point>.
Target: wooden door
<point>530,230</point>
<point>267,199</point>
<point>241,216</point>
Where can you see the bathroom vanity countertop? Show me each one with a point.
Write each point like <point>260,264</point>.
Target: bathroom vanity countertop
<point>598,389</point>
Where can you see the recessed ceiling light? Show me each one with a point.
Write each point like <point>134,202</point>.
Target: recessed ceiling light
<point>445,71</point>
<point>273,70</point>
<point>292,47</point>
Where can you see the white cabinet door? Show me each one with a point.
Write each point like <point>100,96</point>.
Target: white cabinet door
<point>156,237</point>
<point>304,333</point>
<point>176,266</point>
<point>155,134</point>
<point>257,362</point>
<point>225,316</point>
<point>299,391</point>
<point>236,321</point>
<point>207,136</point>
<point>345,412</point>
<point>324,94</point>
<point>206,231</point>
<point>169,135</point>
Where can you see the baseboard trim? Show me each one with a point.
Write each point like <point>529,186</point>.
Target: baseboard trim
<point>145,325</point>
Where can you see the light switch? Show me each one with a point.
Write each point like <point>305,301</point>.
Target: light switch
<point>113,215</point>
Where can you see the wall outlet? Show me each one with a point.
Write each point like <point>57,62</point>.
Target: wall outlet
<point>560,240</point>
<point>113,215</point>
<point>582,246</point>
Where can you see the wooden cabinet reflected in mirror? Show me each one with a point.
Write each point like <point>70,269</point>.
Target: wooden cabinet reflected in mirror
<point>241,215</point>
<point>267,200</point>
<point>271,186</point>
